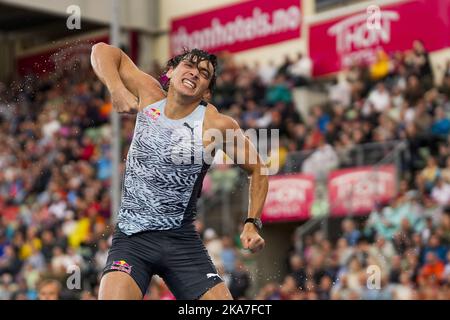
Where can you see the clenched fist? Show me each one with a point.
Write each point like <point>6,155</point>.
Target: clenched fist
<point>251,239</point>
<point>123,101</point>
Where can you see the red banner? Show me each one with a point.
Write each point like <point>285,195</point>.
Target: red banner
<point>58,58</point>
<point>356,191</point>
<point>238,27</point>
<point>336,43</point>
<point>289,198</point>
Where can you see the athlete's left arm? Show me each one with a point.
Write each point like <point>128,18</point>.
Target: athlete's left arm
<point>239,148</point>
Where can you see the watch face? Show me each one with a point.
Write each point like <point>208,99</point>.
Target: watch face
<point>258,223</point>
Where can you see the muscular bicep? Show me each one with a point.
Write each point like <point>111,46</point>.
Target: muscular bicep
<point>243,152</point>
<point>240,147</point>
<point>139,83</point>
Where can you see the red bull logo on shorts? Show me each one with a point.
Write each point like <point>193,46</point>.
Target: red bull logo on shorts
<point>121,265</point>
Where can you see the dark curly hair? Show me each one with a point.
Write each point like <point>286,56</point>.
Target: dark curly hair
<point>195,56</point>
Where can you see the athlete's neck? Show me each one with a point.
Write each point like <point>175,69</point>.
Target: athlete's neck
<point>178,108</point>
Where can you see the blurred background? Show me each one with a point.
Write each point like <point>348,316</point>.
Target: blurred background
<point>359,205</point>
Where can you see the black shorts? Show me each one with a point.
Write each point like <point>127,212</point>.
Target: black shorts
<point>177,256</point>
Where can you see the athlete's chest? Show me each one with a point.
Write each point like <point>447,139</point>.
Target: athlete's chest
<point>179,142</point>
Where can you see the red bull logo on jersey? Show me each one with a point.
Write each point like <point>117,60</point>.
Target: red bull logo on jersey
<point>153,113</point>
<point>121,265</point>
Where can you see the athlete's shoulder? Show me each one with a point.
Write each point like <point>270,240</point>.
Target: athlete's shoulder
<point>217,120</point>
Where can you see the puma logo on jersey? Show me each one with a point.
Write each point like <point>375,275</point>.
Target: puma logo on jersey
<point>189,127</point>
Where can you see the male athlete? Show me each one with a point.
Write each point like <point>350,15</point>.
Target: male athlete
<point>155,232</point>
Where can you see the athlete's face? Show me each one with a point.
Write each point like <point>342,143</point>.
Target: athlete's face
<point>191,79</point>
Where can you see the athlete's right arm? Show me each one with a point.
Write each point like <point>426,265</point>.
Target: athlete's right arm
<point>127,84</point>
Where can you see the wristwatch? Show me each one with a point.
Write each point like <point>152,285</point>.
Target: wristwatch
<point>256,221</point>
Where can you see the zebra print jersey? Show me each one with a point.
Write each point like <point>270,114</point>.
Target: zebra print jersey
<point>164,171</point>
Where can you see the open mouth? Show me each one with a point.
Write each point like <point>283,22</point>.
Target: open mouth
<point>189,83</point>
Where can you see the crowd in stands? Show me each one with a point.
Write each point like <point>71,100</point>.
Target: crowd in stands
<point>55,170</point>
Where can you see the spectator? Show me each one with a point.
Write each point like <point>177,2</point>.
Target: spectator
<point>350,233</point>
<point>404,290</point>
<point>422,117</point>
<point>441,125</point>
<point>101,255</point>
<point>433,268</point>
<point>428,176</point>
<point>340,92</point>
<point>49,290</point>
<point>414,91</point>
<point>354,274</point>
<point>269,292</point>
<point>228,254</point>
<point>321,161</point>
<point>214,246</point>
<point>240,281</point>
<point>301,70</point>
<point>435,246</point>
<point>380,69</point>
<point>396,269</point>
<point>343,251</point>
<point>288,288</point>
<point>297,270</point>
<point>324,290</point>
<point>379,99</point>
<point>9,262</point>
<point>445,86</point>
<point>422,63</point>
<point>267,73</point>
<point>278,91</point>
<point>441,192</point>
